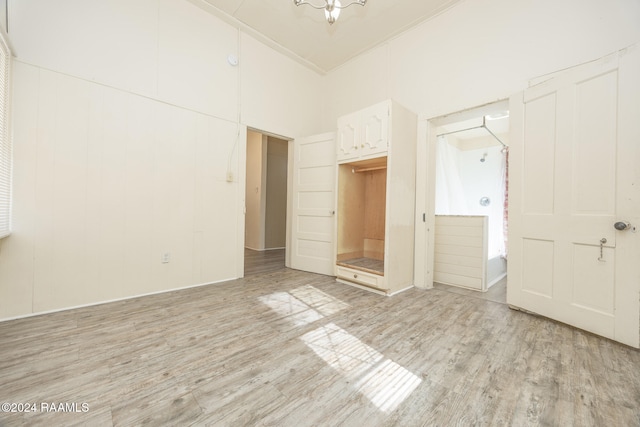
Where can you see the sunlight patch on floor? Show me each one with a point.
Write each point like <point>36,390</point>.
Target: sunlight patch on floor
<point>320,301</point>
<point>303,305</point>
<point>385,383</point>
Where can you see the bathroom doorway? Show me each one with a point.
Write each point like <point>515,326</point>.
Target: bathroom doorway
<point>467,202</point>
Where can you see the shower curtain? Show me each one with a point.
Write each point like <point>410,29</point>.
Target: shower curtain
<point>456,195</point>
<point>450,197</point>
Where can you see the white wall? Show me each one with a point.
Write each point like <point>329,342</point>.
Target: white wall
<point>275,223</point>
<point>278,95</point>
<point>164,49</point>
<point>480,51</point>
<point>106,181</point>
<point>255,185</point>
<point>126,121</point>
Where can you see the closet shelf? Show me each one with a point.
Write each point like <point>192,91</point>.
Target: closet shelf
<point>369,169</point>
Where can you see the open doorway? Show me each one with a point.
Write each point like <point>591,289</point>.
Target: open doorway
<point>470,202</point>
<point>267,164</point>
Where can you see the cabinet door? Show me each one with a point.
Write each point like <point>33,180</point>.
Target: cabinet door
<point>375,129</point>
<point>348,133</point>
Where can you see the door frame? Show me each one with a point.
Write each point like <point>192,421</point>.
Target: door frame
<point>426,188</point>
<point>241,208</point>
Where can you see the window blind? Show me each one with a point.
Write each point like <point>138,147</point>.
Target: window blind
<point>5,139</point>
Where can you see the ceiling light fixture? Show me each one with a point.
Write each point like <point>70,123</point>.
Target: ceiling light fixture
<point>331,8</point>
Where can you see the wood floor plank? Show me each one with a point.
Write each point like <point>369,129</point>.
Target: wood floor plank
<point>288,348</point>
<point>260,262</point>
<point>99,418</point>
<point>252,410</point>
<point>169,410</point>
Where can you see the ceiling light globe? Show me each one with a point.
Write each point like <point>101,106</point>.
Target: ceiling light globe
<point>332,11</point>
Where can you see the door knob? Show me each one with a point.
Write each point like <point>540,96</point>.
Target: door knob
<point>622,225</point>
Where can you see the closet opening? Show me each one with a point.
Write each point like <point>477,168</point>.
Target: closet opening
<point>471,197</point>
<point>267,164</point>
<point>362,195</point>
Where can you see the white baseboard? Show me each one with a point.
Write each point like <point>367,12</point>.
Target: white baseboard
<point>58,310</point>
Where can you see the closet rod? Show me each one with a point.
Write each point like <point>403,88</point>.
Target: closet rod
<point>483,125</point>
<point>373,168</point>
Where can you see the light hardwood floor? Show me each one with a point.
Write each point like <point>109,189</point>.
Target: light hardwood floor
<point>256,262</point>
<point>496,293</point>
<point>288,348</point>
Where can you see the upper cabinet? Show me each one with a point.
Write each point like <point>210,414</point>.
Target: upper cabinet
<point>365,133</point>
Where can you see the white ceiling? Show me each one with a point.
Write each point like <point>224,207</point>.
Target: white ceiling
<point>304,31</point>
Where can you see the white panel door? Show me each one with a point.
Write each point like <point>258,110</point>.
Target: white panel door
<point>313,212</point>
<point>574,173</point>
